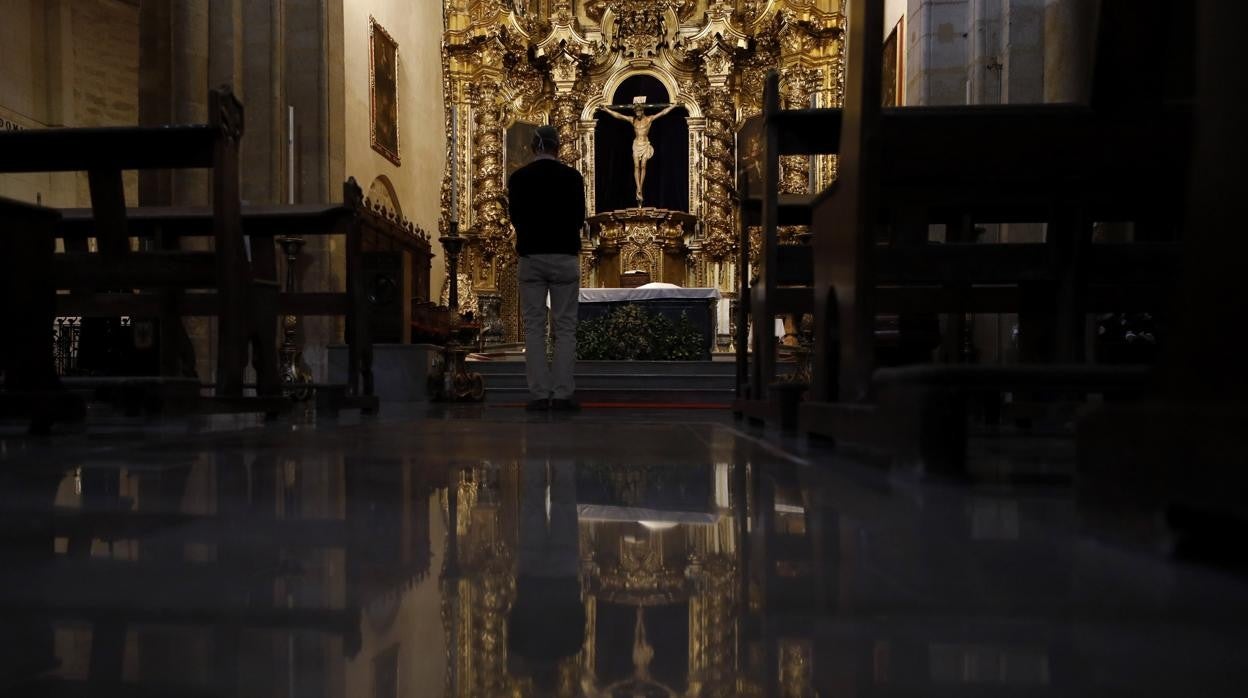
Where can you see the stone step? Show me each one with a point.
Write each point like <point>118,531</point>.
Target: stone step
<point>621,368</point>
<point>666,382</point>
<point>720,398</point>
<point>608,382</point>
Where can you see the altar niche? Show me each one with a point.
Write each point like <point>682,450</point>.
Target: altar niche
<point>667,175</point>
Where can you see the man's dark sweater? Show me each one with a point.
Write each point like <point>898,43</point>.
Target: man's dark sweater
<point>546,200</point>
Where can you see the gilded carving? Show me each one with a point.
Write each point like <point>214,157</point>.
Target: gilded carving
<point>719,240</point>
<point>491,228</point>
<point>566,118</point>
<point>797,84</point>
<point>554,62</point>
<point>467,296</point>
<point>637,28</point>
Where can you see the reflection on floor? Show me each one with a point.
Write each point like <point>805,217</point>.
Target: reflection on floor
<point>491,553</point>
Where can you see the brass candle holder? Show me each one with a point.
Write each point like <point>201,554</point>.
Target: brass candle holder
<point>293,372</point>
<point>456,383</point>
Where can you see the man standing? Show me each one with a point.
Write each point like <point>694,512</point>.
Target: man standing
<point>546,200</point>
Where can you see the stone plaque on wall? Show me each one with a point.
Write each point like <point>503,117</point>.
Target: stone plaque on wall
<point>383,77</point>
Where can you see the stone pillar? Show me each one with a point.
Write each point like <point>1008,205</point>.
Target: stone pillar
<point>304,47</point>
<point>225,39</point>
<point>986,52</point>
<point>264,146</point>
<point>938,61</point>
<point>1069,32</point>
<point>173,88</point>
<point>1024,60</point>
<point>306,80</point>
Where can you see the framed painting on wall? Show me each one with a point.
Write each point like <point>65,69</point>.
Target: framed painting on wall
<point>894,65</point>
<point>383,81</point>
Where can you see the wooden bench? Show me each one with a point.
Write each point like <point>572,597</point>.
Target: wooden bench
<point>31,388</point>
<point>1066,165</point>
<point>242,277</point>
<point>786,271</point>
<point>351,220</point>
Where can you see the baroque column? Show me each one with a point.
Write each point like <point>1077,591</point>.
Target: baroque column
<point>719,239</point>
<point>491,226</point>
<point>567,116</point>
<point>489,202</point>
<point>717,45</point>
<point>798,82</point>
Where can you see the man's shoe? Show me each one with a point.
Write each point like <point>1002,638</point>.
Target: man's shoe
<point>565,405</point>
<point>537,405</point>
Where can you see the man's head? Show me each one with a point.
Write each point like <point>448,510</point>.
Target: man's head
<point>546,141</point>
<point>639,109</point>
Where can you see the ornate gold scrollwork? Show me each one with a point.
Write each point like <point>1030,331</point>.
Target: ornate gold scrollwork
<point>719,235</point>
<point>553,61</point>
<point>491,228</point>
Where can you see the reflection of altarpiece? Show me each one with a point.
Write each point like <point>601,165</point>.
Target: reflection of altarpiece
<point>659,591</point>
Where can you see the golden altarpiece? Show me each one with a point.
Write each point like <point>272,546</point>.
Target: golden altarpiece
<point>516,63</point>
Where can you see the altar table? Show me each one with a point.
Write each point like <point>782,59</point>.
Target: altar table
<point>699,305</point>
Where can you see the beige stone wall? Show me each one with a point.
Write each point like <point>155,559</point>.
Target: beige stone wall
<point>417,27</point>
<point>893,11</point>
<point>105,73</point>
<point>106,63</point>
<point>66,64</point>
<point>23,88</point>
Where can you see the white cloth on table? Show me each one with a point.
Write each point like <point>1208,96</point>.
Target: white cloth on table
<point>646,293</point>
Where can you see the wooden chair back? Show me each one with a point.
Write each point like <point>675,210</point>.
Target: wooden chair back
<point>105,153</point>
<point>844,314</point>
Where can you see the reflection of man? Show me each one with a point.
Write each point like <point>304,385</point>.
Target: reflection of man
<point>547,621</point>
<point>642,150</point>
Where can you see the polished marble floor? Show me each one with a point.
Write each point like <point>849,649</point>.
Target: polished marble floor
<point>492,552</point>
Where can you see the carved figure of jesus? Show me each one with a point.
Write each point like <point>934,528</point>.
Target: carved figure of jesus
<point>642,150</point>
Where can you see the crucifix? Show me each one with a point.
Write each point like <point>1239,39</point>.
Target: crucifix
<point>642,150</point>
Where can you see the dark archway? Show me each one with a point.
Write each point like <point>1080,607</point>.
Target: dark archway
<point>667,177</point>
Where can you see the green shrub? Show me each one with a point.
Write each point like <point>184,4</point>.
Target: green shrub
<point>631,333</point>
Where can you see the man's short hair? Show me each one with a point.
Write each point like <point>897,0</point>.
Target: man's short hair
<point>546,139</point>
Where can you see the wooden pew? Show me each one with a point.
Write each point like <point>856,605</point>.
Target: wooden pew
<point>262,224</point>
<point>242,277</point>
<point>903,169</point>
<point>785,271</point>
<point>31,388</point>
<point>1168,473</point>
